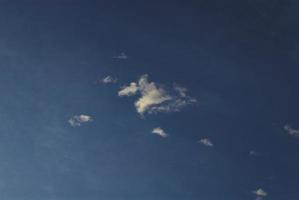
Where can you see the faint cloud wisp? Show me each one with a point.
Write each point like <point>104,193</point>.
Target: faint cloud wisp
<point>77,120</point>
<point>291,131</point>
<point>206,141</point>
<point>121,56</point>
<point>253,153</point>
<point>109,79</point>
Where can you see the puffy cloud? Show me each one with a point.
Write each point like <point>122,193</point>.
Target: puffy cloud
<point>77,120</point>
<point>128,90</point>
<point>206,142</point>
<point>291,131</point>
<point>121,56</point>
<point>153,98</point>
<point>151,95</point>
<point>159,131</point>
<point>260,193</point>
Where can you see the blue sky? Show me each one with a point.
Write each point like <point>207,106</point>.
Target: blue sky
<point>150,100</point>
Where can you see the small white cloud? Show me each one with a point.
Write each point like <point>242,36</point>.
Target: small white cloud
<point>206,142</point>
<point>159,131</point>
<point>121,56</point>
<point>128,90</point>
<point>260,193</point>
<point>291,131</point>
<point>109,79</point>
<point>156,99</point>
<point>77,120</point>
<point>106,80</point>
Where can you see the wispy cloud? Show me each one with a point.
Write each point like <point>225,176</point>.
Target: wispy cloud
<point>260,194</point>
<point>159,131</point>
<point>77,120</point>
<point>206,141</point>
<point>291,131</point>
<point>154,98</point>
<point>109,79</point>
<point>106,80</point>
<point>121,56</point>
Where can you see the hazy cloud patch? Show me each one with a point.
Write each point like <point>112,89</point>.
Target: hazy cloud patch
<point>121,56</point>
<point>253,153</point>
<point>77,120</point>
<point>291,131</point>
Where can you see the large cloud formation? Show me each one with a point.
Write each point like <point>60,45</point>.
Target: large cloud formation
<point>154,98</point>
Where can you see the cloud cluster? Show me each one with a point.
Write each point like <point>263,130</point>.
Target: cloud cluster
<point>77,120</point>
<point>154,98</point>
<point>291,131</point>
<point>159,131</point>
<point>206,141</point>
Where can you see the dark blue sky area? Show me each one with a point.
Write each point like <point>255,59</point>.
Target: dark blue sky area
<point>149,100</point>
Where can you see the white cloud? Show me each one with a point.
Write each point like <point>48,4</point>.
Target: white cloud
<point>121,56</point>
<point>77,120</point>
<point>155,98</point>
<point>260,193</point>
<point>151,95</point>
<point>128,90</point>
<point>159,131</point>
<point>206,142</point>
<point>291,131</point>
<point>109,79</point>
